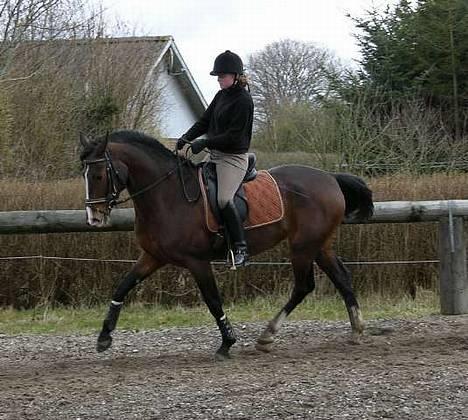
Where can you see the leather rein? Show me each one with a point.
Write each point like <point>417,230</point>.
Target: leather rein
<point>114,181</point>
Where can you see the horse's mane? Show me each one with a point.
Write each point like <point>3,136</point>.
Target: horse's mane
<point>141,140</point>
<point>136,138</point>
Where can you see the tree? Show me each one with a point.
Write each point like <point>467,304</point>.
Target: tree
<point>62,75</point>
<point>443,54</point>
<point>419,51</point>
<point>289,72</point>
<point>39,20</point>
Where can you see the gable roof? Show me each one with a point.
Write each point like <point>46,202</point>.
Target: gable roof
<point>73,56</point>
<point>164,47</point>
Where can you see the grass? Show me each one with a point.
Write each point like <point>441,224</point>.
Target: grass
<point>147,317</point>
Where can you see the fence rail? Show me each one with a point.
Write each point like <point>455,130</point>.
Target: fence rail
<point>449,214</point>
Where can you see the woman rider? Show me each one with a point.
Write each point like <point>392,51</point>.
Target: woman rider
<point>227,122</point>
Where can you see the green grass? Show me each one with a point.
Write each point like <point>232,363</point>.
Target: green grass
<point>146,317</point>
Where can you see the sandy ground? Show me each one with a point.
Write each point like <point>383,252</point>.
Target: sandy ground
<point>402,369</point>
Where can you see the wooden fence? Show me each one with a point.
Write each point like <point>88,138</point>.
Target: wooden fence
<point>449,214</point>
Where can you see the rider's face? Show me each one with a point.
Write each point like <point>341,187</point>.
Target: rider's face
<point>226,80</point>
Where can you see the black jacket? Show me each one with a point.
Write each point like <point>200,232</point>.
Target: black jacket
<point>227,121</point>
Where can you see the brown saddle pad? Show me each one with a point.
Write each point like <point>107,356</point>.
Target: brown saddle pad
<point>263,198</point>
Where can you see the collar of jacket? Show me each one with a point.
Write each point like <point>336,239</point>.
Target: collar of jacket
<point>234,88</point>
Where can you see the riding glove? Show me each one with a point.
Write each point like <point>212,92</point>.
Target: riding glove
<point>182,142</point>
<point>198,145</point>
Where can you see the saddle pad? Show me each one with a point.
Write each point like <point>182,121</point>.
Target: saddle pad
<point>263,198</point>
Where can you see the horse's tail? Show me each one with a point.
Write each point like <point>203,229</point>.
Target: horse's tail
<point>358,197</point>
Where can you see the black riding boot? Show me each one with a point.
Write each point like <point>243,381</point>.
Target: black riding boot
<point>233,225</point>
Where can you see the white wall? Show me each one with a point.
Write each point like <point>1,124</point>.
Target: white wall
<point>176,115</point>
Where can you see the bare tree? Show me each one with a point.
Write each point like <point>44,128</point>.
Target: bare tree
<point>22,22</point>
<point>60,73</point>
<point>287,72</point>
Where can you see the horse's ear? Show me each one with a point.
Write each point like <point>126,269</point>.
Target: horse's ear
<point>101,148</point>
<point>83,139</point>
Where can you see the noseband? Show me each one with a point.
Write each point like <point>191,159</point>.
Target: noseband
<point>113,180</point>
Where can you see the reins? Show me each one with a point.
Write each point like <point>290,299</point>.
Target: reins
<point>181,177</point>
<point>147,188</point>
<point>112,175</point>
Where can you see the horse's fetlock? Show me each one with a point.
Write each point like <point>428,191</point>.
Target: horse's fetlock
<point>230,340</point>
<point>272,328</point>
<point>104,341</point>
<point>227,332</point>
<point>110,322</point>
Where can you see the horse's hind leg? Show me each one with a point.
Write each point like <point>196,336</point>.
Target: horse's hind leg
<point>341,278</point>
<point>304,283</point>
<point>145,265</point>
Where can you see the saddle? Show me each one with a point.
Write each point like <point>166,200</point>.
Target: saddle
<point>258,199</point>
<point>211,184</point>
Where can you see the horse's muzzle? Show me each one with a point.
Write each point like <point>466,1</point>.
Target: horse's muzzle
<point>96,217</point>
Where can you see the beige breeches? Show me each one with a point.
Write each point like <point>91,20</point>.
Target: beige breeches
<point>230,170</point>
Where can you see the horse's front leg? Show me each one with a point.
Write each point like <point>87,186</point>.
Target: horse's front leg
<point>204,277</point>
<point>145,265</point>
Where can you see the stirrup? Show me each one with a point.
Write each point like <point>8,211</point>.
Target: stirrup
<point>231,259</point>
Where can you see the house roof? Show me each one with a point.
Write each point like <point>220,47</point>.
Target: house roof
<point>164,47</point>
<point>146,52</point>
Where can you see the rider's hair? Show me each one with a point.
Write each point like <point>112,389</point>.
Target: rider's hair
<point>243,80</point>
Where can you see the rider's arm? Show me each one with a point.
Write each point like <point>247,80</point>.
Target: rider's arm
<point>201,126</point>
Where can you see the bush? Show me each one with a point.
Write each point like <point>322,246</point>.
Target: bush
<point>407,137</point>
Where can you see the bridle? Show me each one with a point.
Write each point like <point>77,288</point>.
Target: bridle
<point>114,181</point>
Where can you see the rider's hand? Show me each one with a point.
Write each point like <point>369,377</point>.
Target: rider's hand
<point>182,142</point>
<point>197,146</point>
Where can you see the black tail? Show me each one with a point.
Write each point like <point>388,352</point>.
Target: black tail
<point>358,197</point>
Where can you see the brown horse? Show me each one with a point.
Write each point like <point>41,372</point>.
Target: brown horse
<point>171,229</point>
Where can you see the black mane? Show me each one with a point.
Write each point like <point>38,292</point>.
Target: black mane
<point>133,137</point>
<point>140,139</point>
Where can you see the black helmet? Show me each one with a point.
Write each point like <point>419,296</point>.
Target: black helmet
<point>227,62</point>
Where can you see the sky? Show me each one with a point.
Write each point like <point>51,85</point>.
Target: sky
<point>204,28</point>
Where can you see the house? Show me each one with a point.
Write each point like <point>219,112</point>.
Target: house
<point>144,77</point>
<point>181,101</point>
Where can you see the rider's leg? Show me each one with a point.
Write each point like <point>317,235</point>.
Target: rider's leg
<point>230,170</point>
<point>235,229</point>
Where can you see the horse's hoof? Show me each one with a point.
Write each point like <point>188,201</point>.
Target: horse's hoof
<point>265,338</point>
<point>222,356</point>
<point>264,347</point>
<point>103,344</point>
<point>356,338</point>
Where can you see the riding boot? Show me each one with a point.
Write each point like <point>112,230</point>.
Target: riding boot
<point>235,230</point>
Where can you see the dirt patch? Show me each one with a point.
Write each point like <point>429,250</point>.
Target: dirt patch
<point>401,370</point>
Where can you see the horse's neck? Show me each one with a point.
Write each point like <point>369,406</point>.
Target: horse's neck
<point>143,171</point>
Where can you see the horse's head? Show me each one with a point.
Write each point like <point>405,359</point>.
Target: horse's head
<point>104,180</point>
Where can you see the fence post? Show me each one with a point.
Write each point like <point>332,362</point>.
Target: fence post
<point>453,278</point>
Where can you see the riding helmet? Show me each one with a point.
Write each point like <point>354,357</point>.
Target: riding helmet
<point>227,62</point>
